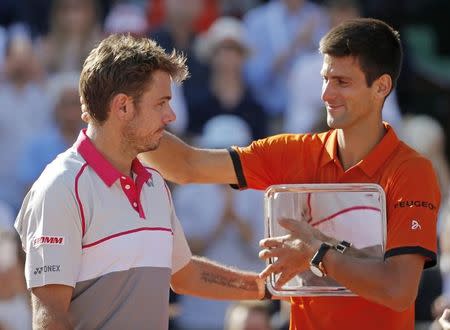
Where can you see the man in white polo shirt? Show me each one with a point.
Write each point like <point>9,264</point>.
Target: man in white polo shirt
<point>101,236</point>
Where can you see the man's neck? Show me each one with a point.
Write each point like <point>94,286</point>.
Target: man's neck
<point>355,143</point>
<point>109,145</point>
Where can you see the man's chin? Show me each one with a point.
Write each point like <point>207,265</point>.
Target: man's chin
<point>153,147</point>
<point>335,123</point>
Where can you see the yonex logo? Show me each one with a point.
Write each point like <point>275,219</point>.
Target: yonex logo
<point>48,240</point>
<point>47,269</point>
<point>415,225</point>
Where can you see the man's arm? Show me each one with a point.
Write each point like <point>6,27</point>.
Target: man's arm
<point>50,305</point>
<point>182,163</point>
<point>392,282</point>
<point>204,278</point>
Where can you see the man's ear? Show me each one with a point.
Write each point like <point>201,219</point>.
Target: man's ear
<point>383,85</point>
<point>120,106</point>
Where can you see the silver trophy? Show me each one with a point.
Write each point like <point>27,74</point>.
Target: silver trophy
<point>355,213</point>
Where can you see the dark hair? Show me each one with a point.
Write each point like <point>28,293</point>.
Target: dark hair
<point>124,64</point>
<point>374,43</point>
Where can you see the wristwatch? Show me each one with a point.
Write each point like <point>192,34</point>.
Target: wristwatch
<point>342,246</point>
<point>316,264</point>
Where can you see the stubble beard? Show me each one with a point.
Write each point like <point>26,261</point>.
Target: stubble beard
<point>137,144</point>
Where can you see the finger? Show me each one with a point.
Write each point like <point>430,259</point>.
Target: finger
<point>270,253</point>
<point>290,224</point>
<point>270,269</point>
<point>273,241</point>
<point>273,268</point>
<point>283,279</point>
<point>444,319</point>
<point>446,314</point>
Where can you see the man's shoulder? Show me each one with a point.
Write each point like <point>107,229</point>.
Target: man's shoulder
<point>157,180</point>
<point>313,139</point>
<point>62,171</point>
<point>407,157</point>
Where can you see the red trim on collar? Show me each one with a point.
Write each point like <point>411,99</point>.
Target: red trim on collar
<point>104,169</point>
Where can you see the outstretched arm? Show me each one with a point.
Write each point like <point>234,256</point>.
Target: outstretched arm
<point>392,282</point>
<point>182,163</point>
<point>204,278</point>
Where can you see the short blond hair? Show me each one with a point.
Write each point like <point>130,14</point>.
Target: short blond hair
<point>124,64</point>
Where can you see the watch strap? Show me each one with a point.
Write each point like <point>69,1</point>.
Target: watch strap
<point>342,246</point>
<point>318,256</point>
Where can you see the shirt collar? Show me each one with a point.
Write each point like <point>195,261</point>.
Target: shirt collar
<point>104,169</point>
<point>382,151</point>
<point>374,160</point>
<point>330,153</point>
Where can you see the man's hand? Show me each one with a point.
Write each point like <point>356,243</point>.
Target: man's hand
<point>291,253</point>
<point>444,320</point>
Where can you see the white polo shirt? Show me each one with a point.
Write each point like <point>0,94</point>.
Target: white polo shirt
<point>115,239</point>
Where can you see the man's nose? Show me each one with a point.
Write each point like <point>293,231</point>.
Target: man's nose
<point>328,92</point>
<point>170,115</point>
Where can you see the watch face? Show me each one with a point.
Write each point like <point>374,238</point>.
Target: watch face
<point>316,270</point>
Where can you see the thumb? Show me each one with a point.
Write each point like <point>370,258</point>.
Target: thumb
<point>290,224</point>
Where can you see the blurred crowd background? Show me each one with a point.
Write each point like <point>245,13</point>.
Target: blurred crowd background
<point>254,71</point>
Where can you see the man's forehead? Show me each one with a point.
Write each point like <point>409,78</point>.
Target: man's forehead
<point>334,64</point>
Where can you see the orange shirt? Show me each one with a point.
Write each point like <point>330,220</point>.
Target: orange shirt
<point>412,197</point>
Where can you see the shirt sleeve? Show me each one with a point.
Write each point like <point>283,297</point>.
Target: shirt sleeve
<point>49,227</point>
<point>273,160</point>
<point>181,253</point>
<point>412,206</point>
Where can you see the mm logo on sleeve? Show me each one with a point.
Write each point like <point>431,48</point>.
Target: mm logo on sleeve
<point>48,240</point>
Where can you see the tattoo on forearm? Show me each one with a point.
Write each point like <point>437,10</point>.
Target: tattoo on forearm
<point>229,282</point>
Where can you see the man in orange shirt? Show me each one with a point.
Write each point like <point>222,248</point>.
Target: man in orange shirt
<point>361,64</point>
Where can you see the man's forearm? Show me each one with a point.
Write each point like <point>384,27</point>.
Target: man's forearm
<point>214,281</point>
<point>181,163</point>
<point>48,318</point>
<point>171,158</point>
<point>50,305</point>
<point>381,281</point>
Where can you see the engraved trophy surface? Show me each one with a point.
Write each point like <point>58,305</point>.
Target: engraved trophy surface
<point>355,213</point>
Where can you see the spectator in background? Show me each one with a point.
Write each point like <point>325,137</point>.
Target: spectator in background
<point>220,223</point>
<point>304,110</point>
<point>74,29</point>
<point>130,18</point>
<point>126,18</point>
<point>236,8</point>
<point>277,34</point>
<point>24,112</point>
<point>2,48</point>
<point>44,146</point>
<point>426,135</point>
<point>248,315</point>
<point>178,32</point>
<point>157,12</point>
<point>223,48</point>
<point>15,313</point>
